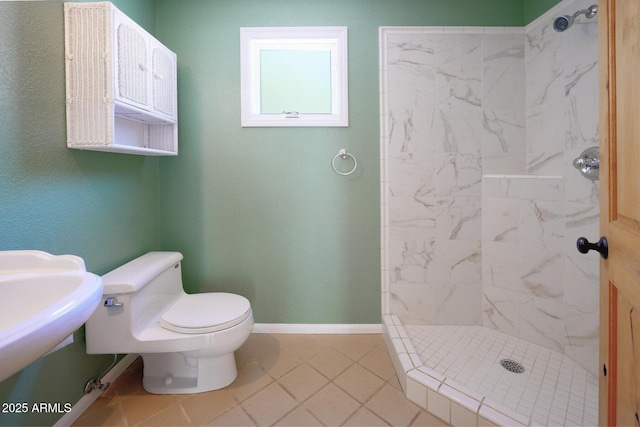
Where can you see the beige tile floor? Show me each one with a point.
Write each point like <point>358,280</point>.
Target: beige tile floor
<point>283,380</point>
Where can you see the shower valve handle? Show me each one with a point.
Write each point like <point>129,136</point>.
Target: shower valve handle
<point>601,246</point>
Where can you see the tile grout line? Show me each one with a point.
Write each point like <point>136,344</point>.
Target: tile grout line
<point>361,405</point>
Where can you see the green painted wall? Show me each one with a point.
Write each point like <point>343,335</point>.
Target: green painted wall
<point>535,8</point>
<point>259,211</point>
<point>102,207</point>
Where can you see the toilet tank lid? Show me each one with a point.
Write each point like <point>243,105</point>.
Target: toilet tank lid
<point>133,275</point>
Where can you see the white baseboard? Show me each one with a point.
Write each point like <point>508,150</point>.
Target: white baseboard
<point>316,328</point>
<point>85,401</point>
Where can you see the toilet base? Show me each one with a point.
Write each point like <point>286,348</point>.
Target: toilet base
<point>175,373</point>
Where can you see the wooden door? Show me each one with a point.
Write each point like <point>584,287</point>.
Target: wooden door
<point>619,59</point>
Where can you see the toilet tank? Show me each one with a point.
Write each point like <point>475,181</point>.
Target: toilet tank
<point>141,291</point>
<point>137,274</point>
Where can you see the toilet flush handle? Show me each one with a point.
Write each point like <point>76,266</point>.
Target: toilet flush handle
<point>112,302</point>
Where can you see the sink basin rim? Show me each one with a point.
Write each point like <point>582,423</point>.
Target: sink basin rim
<point>36,262</point>
<point>29,338</point>
<point>90,284</point>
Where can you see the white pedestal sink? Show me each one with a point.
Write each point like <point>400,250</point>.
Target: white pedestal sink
<point>44,298</point>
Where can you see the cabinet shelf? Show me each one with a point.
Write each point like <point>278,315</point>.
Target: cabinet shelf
<point>121,84</point>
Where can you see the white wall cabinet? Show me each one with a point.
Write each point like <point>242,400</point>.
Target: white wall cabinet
<point>121,84</point>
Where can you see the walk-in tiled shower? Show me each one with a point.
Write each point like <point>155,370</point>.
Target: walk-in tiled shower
<point>481,205</point>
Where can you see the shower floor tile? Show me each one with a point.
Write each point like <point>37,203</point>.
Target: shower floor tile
<point>552,390</point>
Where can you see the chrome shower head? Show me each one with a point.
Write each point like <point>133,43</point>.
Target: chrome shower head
<point>563,22</point>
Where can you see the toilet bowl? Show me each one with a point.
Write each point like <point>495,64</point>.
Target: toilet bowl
<point>187,341</point>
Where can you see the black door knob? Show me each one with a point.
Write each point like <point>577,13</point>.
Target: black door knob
<point>601,246</point>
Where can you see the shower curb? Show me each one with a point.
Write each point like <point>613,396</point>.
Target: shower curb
<point>440,396</point>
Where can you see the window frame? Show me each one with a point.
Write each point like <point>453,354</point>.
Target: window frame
<point>255,39</point>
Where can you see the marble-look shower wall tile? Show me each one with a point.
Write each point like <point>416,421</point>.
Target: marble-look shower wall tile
<point>523,225</point>
<point>542,322</point>
<point>504,163</point>
<point>458,304</point>
<point>542,273</point>
<point>410,131</point>
<point>413,303</point>
<point>458,174</point>
<point>582,295</point>
<point>458,131</point>
<point>500,309</point>
<point>458,49</point>
<point>458,87</point>
<point>459,218</point>
<point>581,284</point>
<point>412,175</point>
<point>542,225</point>
<point>413,217</point>
<point>412,261</point>
<point>410,72</point>
<point>548,188</point>
<point>503,131</point>
<point>545,163</point>
<point>504,121</point>
<point>504,87</point>
<point>580,55</point>
<point>501,220</point>
<point>501,266</point>
<point>544,65</point>
<point>563,121</point>
<point>503,49</point>
<point>546,128</point>
<point>581,278</point>
<point>459,261</point>
<point>583,338</point>
<point>416,48</point>
<point>581,117</point>
<point>501,186</point>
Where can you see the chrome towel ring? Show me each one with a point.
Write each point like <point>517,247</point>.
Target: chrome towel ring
<point>343,154</point>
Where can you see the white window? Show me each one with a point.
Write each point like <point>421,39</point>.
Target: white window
<point>294,76</point>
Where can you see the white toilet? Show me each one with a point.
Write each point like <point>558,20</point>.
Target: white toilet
<point>186,341</point>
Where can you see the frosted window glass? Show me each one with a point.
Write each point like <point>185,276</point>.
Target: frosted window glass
<point>295,80</point>
<point>294,76</point>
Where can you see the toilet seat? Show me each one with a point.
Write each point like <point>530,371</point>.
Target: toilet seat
<point>205,313</point>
